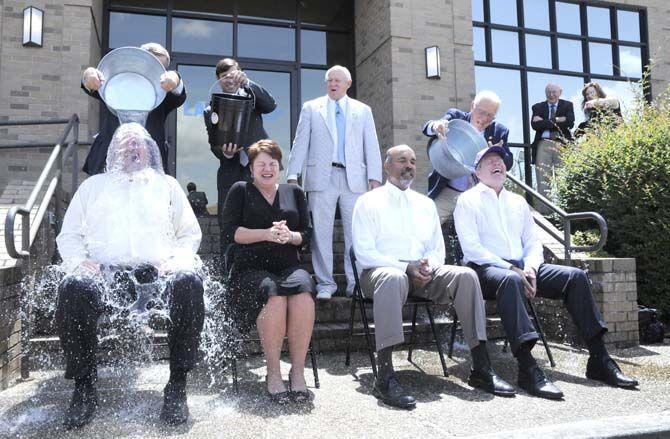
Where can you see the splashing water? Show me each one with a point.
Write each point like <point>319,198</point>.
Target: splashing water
<point>127,116</point>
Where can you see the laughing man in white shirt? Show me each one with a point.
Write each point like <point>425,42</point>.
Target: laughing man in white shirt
<point>398,242</point>
<point>497,234</point>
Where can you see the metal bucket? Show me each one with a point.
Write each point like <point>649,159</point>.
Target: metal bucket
<point>454,156</point>
<point>132,81</point>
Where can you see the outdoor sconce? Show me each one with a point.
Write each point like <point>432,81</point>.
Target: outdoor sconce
<point>32,26</point>
<point>433,62</point>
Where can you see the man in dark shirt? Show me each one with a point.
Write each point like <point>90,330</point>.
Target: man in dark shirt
<point>198,200</point>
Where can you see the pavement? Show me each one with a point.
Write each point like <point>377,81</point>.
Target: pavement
<point>344,407</point>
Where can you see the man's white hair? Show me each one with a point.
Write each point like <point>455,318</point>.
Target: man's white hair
<point>487,95</point>
<point>338,68</point>
<point>156,49</point>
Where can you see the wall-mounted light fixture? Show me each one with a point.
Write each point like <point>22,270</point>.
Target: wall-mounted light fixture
<point>433,62</point>
<point>32,26</point>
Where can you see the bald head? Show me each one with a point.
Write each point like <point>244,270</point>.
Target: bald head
<point>394,150</point>
<point>553,93</point>
<point>400,166</point>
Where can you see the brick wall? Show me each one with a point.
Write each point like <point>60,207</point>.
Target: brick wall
<point>615,290</point>
<point>10,326</point>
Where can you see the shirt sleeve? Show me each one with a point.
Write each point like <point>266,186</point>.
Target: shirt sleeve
<point>533,253</point>
<point>364,240</point>
<point>465,218</point>
<point>186,228</point>
<point>233,210</point>
<point>70,240</point>
<point>436,254</point>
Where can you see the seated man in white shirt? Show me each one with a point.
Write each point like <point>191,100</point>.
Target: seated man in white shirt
<point>398,242</point>
<point>132,223</point>
<point>499,241</point>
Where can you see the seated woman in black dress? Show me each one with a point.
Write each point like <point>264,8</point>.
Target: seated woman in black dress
<point>269,222</point>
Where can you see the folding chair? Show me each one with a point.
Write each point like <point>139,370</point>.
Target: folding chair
<point>358,300</point>
<point>227,269</point>
<point>455,257</point>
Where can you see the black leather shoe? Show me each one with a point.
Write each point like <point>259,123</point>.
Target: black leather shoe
<point>487,380</point>
<point>82,406</point>
<point>536,383</point>
<point>175,407</point>
<point>391,392</point>
<point>607,371</point>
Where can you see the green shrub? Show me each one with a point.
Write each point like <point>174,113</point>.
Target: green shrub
<point>623,172</point>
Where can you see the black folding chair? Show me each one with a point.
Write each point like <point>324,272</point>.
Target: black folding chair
<point>455,257</point>
<point>358,300</point>
<point>227,269</point>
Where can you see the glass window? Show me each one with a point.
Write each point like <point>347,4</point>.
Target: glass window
<point>538,51</point>
<point>135,29</point>
<point>312,84</point>
<point>567,18</point>
<point>479,43</point>
<point>507,84</point>
<point>204,6</point>
<point>630,61</point>
<point>255,41</point>
<point>149,4</point>
<point>628,25</point>
<point>312,47</point>
<point>477,10</point>
<point>626,92</point>
<point>333,13</point>
<point>599,22</point>
<point>503,12</point>
<point>282,10</point>
<point>536,14</point>
<point>202,36</point>
<point>505,46</point>
<point>600,56</point>
<point>572,91</point>
<point>570,55</point>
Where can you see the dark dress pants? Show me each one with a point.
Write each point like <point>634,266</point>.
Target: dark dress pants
<point>79,307</point>
<point>553,282</point>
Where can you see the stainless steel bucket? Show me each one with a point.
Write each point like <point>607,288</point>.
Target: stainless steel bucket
<point>132,81</point>
<point>454,156</point>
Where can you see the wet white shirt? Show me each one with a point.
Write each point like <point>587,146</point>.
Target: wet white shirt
<point>115,220</point>
<point>493,228</point>
<point>391,226</point>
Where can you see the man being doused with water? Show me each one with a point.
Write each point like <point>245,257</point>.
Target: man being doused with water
<point>131,225</point>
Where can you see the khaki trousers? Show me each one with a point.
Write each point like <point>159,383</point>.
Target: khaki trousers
<point>389,288</point>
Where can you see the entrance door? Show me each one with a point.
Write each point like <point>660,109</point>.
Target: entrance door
<point>193,160</point>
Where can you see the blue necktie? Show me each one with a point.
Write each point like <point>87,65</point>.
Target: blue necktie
<point>341,126</point>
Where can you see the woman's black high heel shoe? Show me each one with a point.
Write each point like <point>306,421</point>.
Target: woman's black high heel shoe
<point>281,398</point>
<point>299,396</point>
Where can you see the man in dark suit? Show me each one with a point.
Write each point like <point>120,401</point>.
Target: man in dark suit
<point>234,165</point>
<point>176,96</point>
<point>551,120</point>
<point>482,115</point>
<point>197,200</point>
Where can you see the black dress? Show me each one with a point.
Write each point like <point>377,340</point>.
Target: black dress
<point>264,269</point>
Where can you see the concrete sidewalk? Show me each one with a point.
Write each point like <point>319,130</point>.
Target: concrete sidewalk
<point>130,399</point>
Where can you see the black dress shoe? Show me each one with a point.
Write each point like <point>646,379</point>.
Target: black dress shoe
<point>82,406</point>
<point>536,383</point>
<point>175,407</point>
<point>391,392</point>
<point>487,380</point>
<point>606,370</point>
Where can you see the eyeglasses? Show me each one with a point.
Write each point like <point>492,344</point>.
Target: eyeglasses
<point>490,116</point>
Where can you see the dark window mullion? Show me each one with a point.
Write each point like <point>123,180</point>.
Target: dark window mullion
<point>554,40</point>
<point>486,4</point>
<point>521,34</point>
<point>614,29</point>
<point>586,55</point>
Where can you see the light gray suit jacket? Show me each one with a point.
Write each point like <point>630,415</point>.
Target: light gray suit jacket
<point>314,143</point>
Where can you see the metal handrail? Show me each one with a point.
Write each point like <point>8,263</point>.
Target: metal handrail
<point>61,152</point>
<point>566,219</point>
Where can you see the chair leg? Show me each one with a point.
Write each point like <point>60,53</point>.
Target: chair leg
<point>437,341</point>
<point>315,369</point>
<point>234,371</point>
<point>351,331</point>
<point>452,338</point>
<point>411,335</point>
<point>368,338</point>
<point>540,332</point>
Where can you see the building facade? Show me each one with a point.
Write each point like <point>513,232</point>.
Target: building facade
<point>513,47</point>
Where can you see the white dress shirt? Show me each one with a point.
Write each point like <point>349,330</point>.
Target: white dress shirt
<point>115,220</point>
<point>493,228</point>
<point>391,227</point>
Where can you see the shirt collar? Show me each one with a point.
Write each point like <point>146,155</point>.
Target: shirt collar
<point>343,101</point>
<point>482,188</point>
<point>395,192</point>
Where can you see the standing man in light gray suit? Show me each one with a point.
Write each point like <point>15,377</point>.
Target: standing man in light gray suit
<point>336,145</point>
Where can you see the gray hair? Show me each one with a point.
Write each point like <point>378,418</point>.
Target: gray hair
<point>338,68</point>
<point>486,95</point>
<point>156,49</point>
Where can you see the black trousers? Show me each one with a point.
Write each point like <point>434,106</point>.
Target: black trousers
<point>553,282</point>
<point>79,306</point>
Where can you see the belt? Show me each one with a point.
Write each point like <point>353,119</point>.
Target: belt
<point>338,165</point>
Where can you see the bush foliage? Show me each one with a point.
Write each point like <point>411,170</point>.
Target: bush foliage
<point>623,172</point>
